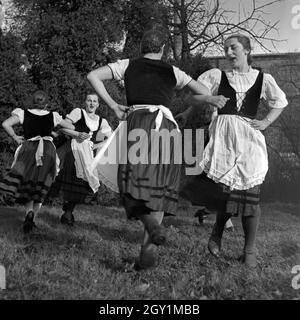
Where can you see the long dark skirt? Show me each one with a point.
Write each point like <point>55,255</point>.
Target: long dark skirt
<point>26,181</point>
<point>152,186</point>
<point>203,191</point>
<point>67,184</point>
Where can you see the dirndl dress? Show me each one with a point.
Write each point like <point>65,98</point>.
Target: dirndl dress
<point>235,160</point>
<point>234,165</point>
<point>73,187</point>
<point>35,164</point>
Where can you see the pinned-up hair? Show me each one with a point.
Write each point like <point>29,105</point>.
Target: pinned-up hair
<point>40,99</point>
<point>152,41</point>
<point>246,43</point>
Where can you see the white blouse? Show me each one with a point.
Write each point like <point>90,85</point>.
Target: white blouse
<point>92,124</point>
<point>57,118</point>
<point>118,70</point>
<point>241,82</point>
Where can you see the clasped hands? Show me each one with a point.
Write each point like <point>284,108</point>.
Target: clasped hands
<point>219,102</point>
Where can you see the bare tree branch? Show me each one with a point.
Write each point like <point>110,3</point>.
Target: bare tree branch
<point>205,24</point>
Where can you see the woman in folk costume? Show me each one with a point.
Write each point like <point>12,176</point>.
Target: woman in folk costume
<point>148,188</point>
<point>235,159</point>
<point>36,163</point>
<point>76,182</point>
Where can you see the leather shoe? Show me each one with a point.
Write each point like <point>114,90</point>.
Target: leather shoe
<point>201,214</point>
<point>157,235</point>
<point>146,260</point>
<point>214,247</point>
<point>67,219</point>
<point>28,223</point>
<point>250,259</point>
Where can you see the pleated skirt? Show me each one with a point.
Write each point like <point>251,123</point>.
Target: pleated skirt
<point>203,191</point>
<point>151,185</point>
<point>25,181</point>
<point>67,185</point>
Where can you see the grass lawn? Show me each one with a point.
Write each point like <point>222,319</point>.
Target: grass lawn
<point>93,260</point>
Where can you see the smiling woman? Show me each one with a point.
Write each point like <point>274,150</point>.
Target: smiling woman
<point>76,182</point>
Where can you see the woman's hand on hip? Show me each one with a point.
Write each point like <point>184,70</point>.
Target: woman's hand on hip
<point>259,124</point>
<point>18,139</point>
<point>121,111</point>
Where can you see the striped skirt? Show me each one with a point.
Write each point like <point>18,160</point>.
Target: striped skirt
<point>203,191</point>
<point>25,181</point>
<point>149,185</point>
<point>66,184</point>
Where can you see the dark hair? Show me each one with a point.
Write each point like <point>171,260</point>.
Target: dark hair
<point>152,41</point>
<point>92,93</point>
<point>245,41</point>
<point>40,99</point>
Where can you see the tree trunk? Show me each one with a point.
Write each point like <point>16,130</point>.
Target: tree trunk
<point>177,32</point>
<point>185,50</point>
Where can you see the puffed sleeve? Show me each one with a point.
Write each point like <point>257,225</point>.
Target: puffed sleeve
<point>57,118</point>
<point>272,94</point>
<point>211,79</point>
<point>182,79</point>
<point>19,113</point>
<point>105,127</point>
<point>118,68</point>
<point>74,115</point>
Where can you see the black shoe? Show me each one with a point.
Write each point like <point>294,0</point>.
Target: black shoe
<point>157,235</point>
<point>146,260</point>
<point>28,223</point>
<point>229,229</point>
<point>201,214</point>
<point>250,259</point>
<point>214,247</point>
<point>66,219</point>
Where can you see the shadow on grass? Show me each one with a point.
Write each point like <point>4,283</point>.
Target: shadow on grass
<point>11,222</point>
<point>120,234</point>
<point>105,232</point>
<point>10,218</point>
<point>176,222</point>
<point>51,219</point>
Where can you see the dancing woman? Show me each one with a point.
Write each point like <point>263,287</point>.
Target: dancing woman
<point>235,160</point>
<point>149,191</point>
<point>76,182</point>
<point>36,163</point>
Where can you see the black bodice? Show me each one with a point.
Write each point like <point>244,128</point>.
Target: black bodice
<point>36,125</point>
<point>250,103</point>
<point>81,126</point>
<point>149,81</point>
